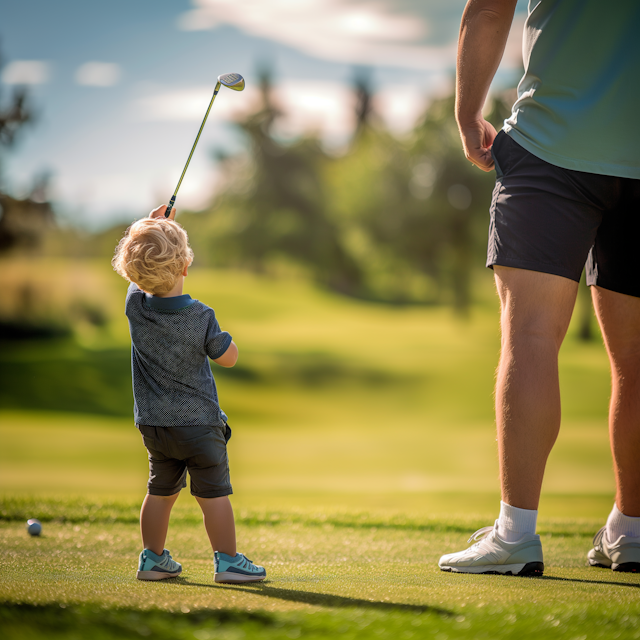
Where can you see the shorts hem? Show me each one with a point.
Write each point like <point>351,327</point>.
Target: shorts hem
<point>153,491</point>
<point>596,282</point>
<point>529,265</point>
<point>221,493</point>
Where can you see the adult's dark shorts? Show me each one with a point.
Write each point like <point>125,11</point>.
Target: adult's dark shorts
<point>558,221</point>
<point>202,451</point>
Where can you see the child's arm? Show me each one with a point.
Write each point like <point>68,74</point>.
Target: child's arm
<point>219,344</point>
<point>229,357</point>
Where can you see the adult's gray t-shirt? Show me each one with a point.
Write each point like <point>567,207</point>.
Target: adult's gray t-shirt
<point>578,101</point>
<point>172,340</point>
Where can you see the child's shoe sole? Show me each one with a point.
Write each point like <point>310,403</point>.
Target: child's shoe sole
<point>229,576</point>
<point>156,575</point>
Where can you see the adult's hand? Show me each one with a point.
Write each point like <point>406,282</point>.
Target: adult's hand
<point>477,138</point>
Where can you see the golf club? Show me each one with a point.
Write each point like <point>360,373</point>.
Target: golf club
<point>231,80</point>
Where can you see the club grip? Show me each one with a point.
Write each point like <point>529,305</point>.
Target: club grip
<point>167,213</point>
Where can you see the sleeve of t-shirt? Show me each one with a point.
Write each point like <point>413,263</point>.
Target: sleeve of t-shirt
<point>131,291</point>
<point>217,341</point>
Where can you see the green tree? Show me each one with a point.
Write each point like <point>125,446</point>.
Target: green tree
<point>391,220</point>
<point>22,221</point>
<point>413,213</point>
<point>274,205</point>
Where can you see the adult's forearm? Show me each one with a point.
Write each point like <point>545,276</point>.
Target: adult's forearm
<point>483,35</point>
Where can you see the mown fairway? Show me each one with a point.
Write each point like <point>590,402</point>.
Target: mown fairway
<point>335,575</point>
<point>363,449</point>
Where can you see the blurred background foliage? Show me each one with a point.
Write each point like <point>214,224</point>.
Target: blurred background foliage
<point>393,220</point>
<point>386,219</point>
<point>354,283</point>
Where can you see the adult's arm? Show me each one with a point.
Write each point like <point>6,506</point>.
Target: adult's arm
<point>483,35</point>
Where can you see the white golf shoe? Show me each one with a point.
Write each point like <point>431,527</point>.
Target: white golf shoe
<point>491,554</point>
<point>621,555</point>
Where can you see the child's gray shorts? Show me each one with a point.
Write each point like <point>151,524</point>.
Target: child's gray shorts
<point>202,451</point>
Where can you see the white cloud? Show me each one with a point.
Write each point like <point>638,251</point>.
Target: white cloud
<point>189,104</point>
<point>373,32</point>
<point>197,20</point>
<point>98,74</point>
<point>324,107</point>
<point>400,106</point>
<point>341,18</point>
<point>342,30</point>
<point>327,108</point>
<point>26,72</point>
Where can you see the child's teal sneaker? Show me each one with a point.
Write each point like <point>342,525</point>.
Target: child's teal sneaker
<point>238,569</point>
<point>155,567</point>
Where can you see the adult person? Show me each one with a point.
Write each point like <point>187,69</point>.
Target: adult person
<point>567,192</point>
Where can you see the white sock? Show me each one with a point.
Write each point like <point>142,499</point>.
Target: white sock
<point>620,525</point>
<point>513,522</point>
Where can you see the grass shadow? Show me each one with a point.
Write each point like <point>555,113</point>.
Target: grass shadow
<point>61,620</point>
<point>561,579</point>
<point>60,375</point>
<point>321,599</point>
<point>582,580</point>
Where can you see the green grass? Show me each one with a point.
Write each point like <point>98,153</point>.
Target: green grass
<point>338,396</point>
<point>356,576</point>
<point>365,466</point>
<point>363,448</point>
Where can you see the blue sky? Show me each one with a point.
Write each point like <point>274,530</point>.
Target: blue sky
<point>121,87</point>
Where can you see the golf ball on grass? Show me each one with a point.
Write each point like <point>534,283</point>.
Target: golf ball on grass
<point>34,527</point>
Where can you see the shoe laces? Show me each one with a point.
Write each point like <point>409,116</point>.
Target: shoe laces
<point>597,539</point>
<point>480,533</point>
<point>166,561</point>
<point>247,564</point>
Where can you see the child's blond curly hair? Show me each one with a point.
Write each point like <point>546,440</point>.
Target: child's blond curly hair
<point>153,254</point>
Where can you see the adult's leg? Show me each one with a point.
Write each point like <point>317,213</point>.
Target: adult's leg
<point>619,318</point>
<point>154,521</point>
<point>535,313</point>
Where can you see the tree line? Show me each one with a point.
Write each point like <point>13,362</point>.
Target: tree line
<point>389,219</point>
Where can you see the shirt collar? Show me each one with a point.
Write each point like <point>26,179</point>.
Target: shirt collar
<point>174,303</point>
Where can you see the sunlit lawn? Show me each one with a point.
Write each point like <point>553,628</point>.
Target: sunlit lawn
<point>330,396</point>
<point>363,448</point>
<point>354,577</point>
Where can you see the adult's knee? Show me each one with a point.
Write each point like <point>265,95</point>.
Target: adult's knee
<point>536,307</point>
<point>625,368</point>
<point>525,325</point>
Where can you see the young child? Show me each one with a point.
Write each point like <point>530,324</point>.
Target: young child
<point>176,405</point>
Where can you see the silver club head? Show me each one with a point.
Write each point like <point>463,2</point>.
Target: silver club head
<point>232,81</point>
